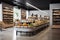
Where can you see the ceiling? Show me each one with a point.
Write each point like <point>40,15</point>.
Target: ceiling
<point>41,4</point>
<point>19,3</point>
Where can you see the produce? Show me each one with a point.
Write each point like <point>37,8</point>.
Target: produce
<point>24,24</point>
<point>30,25</point>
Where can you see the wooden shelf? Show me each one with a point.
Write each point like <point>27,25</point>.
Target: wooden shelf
<point>8,18</point>
<point>56,16</point>
<point>7,11</point>
<point>7,15</point>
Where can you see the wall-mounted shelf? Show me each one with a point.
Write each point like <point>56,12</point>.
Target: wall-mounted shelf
<point>7,15</point>
<point>31,31</point>
<point>56,16</point>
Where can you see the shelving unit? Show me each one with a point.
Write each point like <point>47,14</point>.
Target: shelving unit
<point>7,15</point>
<point>7,11</point>
<point>56,16</point>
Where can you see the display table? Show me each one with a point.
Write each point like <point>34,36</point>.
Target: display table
<point>31,31</point>
<point>43,35</point>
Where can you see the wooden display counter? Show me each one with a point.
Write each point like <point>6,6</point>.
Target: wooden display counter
<point>43,35</point>
<point>31,31</point>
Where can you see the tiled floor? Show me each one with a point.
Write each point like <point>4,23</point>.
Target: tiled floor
<point>7,34</point>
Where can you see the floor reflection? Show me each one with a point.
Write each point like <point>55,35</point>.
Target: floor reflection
<point>7,34</point>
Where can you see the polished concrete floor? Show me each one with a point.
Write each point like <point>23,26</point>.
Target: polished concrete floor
<point>55,34</point>
<point>7,34</point>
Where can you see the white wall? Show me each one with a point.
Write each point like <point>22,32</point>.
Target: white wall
<point>27,14</point>
<point>1,12</point>
<point>45,12</point>
<point>53,6</point>
<point>16,10</point>
<point>48,12</point>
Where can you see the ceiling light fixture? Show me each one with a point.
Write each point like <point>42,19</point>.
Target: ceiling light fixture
<point>28,4</point>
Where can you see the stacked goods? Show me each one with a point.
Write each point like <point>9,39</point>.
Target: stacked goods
<point>32,23</point>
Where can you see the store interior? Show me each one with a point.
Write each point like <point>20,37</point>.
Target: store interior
<point>29,20</point>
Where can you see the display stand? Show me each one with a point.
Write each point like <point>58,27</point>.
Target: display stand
<point>31,31</point>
